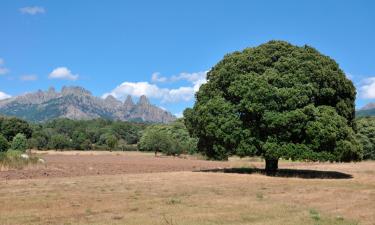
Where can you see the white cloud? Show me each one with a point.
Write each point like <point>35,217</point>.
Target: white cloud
<point>367,88</point>
<point>155,77</point>
<point>190,77</point>
<point>30,77</point>
<point>62,73</point>
<point>179,115</point>
<point>32,10</point>
<point>3,69</point>
<point>184,93</point>
<point>4,95</point>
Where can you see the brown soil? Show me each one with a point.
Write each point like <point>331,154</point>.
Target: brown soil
<point>83,164</point>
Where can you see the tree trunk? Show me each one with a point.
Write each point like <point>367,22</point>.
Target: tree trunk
<point>271,166</point>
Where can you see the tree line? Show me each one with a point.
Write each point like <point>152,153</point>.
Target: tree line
<point>97,134</point>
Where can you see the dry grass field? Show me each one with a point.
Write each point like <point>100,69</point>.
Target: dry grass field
<point>137,188</point>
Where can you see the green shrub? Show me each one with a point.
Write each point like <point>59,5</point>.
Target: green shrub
<point>19,143</point>
<point>4,145</point>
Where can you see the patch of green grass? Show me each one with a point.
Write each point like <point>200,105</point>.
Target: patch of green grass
<point>314,215</point>
<point>174,201</point>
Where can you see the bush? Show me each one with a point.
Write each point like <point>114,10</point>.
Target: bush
<point>19,143</point>
<point>4,145</point>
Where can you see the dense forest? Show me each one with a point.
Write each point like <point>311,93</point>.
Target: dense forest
<point>98,134</point>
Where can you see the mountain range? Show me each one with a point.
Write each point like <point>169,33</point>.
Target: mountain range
<point>367,110</point>
<point>78,103</point>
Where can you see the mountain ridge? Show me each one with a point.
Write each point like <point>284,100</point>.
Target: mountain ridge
<point>75,102</point>
<point>367,110</point>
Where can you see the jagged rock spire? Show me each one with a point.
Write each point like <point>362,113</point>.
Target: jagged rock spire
<point>76,90</point>
<point>143,100</point>
<point>129,101</point>
<point>112,101</point>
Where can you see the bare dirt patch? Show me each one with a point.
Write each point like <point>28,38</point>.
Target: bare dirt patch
<point>70,164</point>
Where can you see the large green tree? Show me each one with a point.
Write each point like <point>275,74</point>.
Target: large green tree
<point>276,100</point>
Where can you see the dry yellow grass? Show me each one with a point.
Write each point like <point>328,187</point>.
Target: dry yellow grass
<point>194,198</point>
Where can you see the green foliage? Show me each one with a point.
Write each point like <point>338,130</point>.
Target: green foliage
<point>277,101</point>
<point>111,141</point>
<point>59,142</point>
<point>366,135</point>
<point>10,126</point>
<point>19,143</point>
<point>171,139</point>
<point>84,134</point>
<point>4,145</point>
<point>157,140</point>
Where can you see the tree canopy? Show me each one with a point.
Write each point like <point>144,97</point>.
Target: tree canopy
<point>276,100</point>
<point>171,139</point>
<point>19,143</point>
<point>366,135</point>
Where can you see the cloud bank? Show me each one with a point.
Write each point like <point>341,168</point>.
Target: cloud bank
<point>62,73</point>
<point>166,95</point>
<point>367,88</point>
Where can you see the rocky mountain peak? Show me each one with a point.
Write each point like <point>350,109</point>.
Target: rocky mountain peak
<point>112,101</point>
<point>129,101</point>
<point>78,103</point>
<point>369,106</point>
<point>143,100</point>
<point>75,90</point>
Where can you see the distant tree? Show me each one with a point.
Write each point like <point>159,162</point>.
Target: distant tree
<point>277,101</point>
<point>126,131</point>
<point>19,143</point>
<point>86,144</point>
<point>366,135</point>
<point>59,142</point>
<point>4,145</point>
<point>156,140</point>
<point>111,141</point>
<point>78,137</point>
<point>11,126</point>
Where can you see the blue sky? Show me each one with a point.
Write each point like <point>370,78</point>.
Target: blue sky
<point>163,48</point>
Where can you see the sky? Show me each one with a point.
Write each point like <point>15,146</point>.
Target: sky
<point>163,49</point>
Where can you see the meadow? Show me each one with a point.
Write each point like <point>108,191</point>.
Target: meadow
<point>139,188</point>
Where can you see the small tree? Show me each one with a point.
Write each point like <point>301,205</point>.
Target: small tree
<point>111,141</point>
<point>19,143</point>
<point>4,145</point>
<point>156,140</point>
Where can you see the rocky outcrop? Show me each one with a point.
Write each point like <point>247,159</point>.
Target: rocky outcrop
<point>79,103</point>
